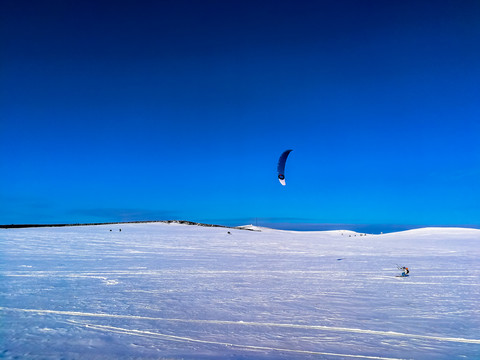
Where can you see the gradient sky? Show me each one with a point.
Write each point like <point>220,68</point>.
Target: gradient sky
<point>155,110</point>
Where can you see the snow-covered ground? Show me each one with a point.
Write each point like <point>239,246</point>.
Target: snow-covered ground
<point>171,291</point>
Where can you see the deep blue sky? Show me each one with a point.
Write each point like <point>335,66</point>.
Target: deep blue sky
<point>152,110</point>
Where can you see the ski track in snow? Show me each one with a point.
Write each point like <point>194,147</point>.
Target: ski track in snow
<point>251,347</point>
<point>280,294</point>
<point>246,323</point>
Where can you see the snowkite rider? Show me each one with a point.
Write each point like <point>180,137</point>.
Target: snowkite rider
<point>405,271</point>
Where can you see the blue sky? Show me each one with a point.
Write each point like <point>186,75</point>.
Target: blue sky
<point>155,110</point>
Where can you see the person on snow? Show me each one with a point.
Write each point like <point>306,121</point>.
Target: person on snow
<point>405,271</point>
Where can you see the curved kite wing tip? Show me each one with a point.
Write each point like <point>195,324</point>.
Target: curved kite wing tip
<point>282,181</point>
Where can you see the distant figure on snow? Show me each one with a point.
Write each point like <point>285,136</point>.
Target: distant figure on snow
<point>405,271</point>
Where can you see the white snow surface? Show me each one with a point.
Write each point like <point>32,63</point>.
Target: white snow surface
<point>171,291</point>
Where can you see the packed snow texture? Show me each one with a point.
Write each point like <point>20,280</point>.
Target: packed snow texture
<point>172,291</point>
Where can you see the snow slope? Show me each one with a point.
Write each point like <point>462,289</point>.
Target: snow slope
<point>172,291</point>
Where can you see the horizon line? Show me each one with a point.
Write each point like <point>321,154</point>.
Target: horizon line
<point>361,228</point>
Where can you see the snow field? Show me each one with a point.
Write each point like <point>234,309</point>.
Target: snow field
<point>176,291</point>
